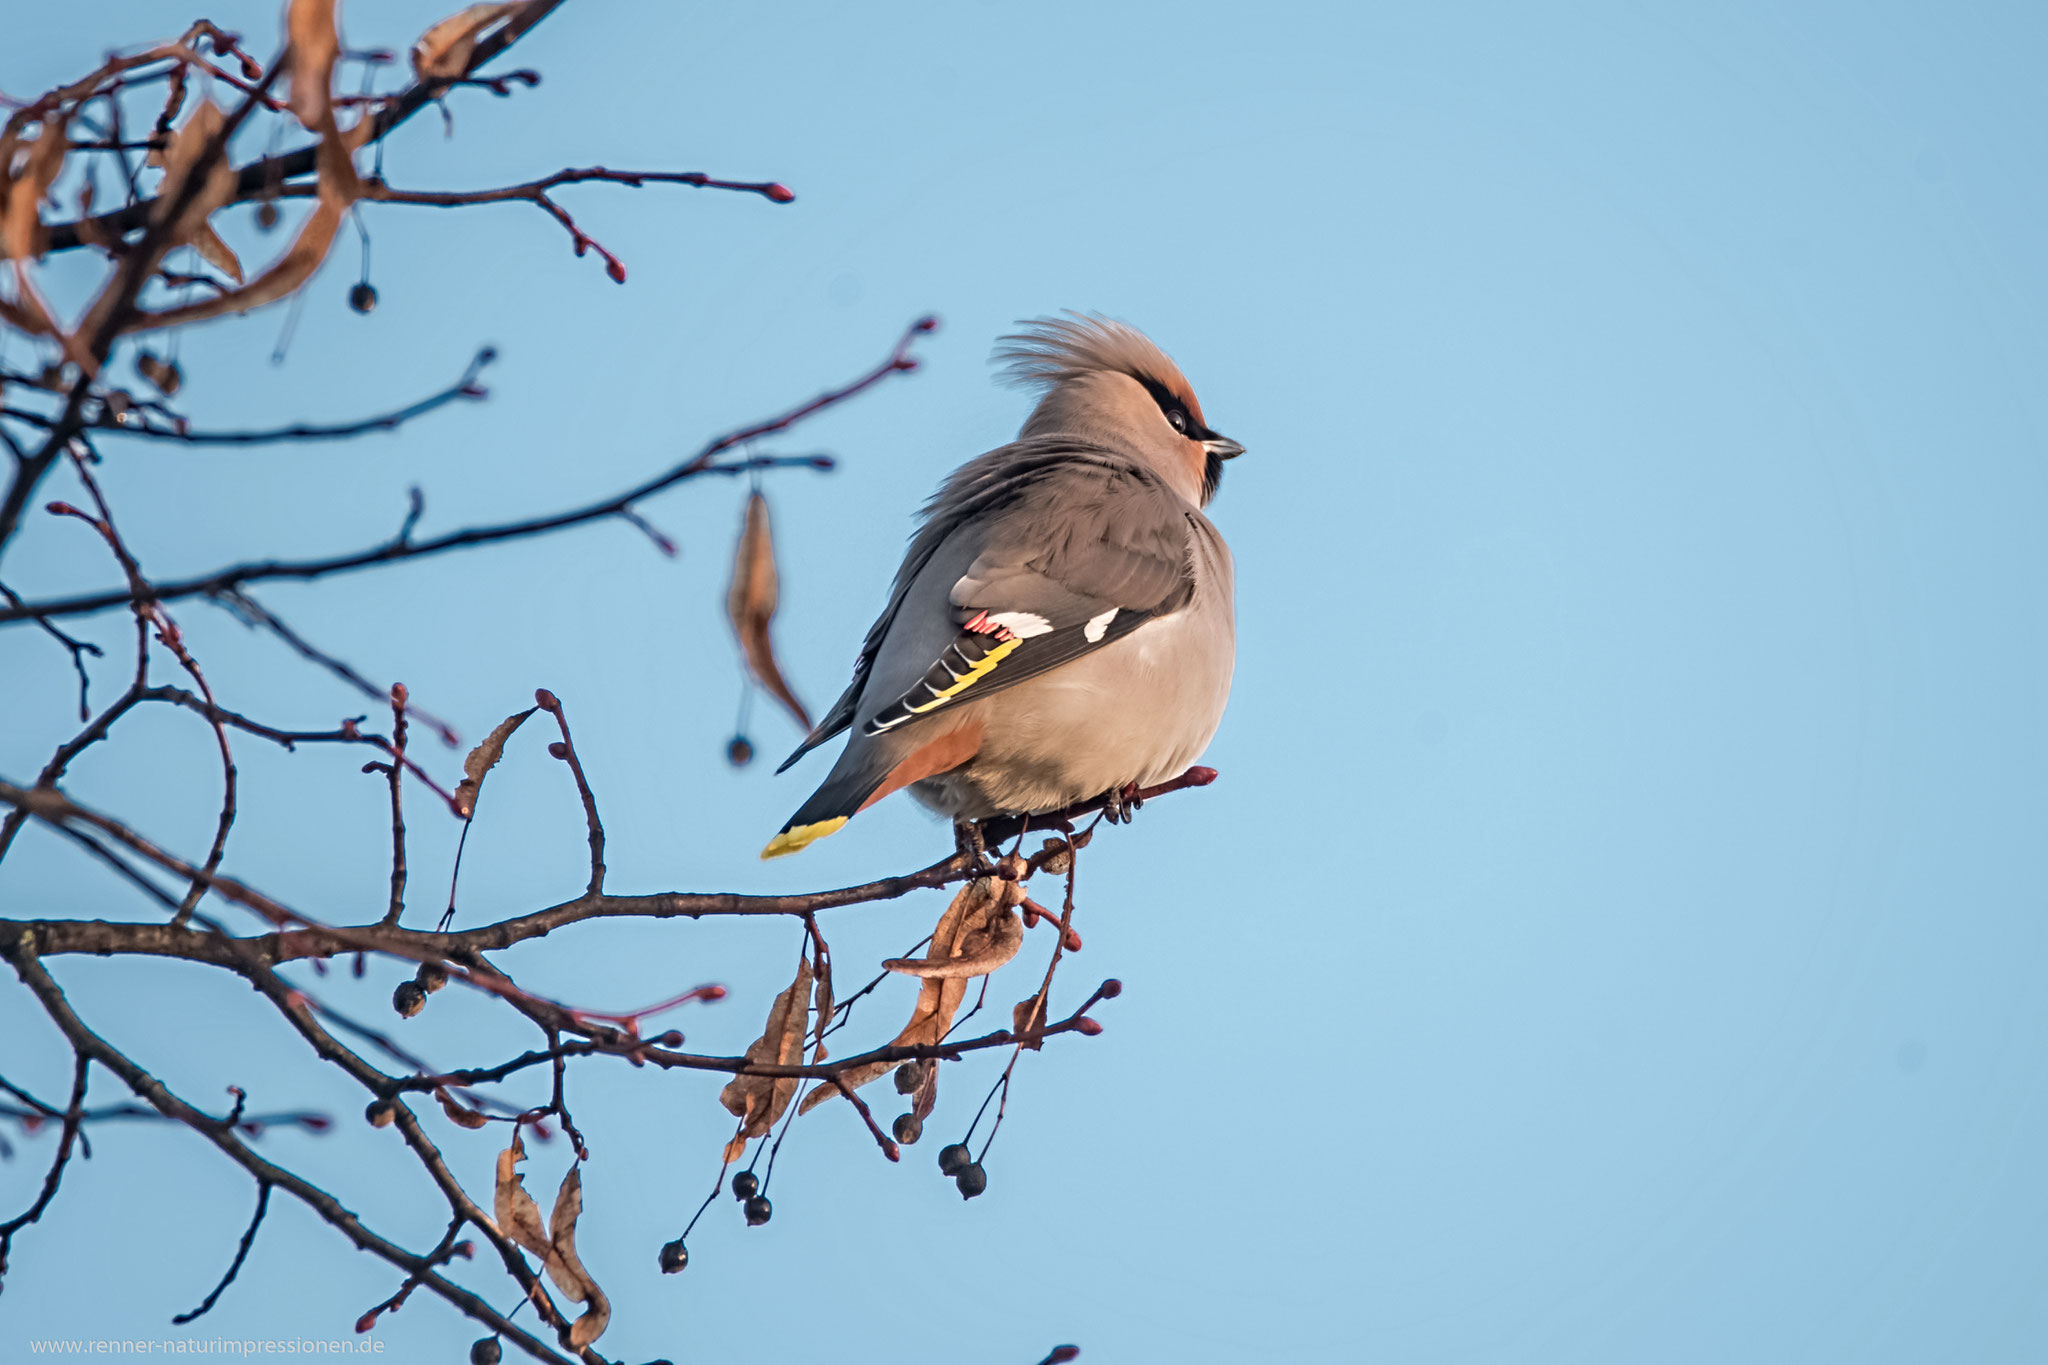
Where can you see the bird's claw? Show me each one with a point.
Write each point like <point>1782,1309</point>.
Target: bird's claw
<point>1121,804</point>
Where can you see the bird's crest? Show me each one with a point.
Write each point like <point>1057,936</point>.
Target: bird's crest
<point>1049,350</point>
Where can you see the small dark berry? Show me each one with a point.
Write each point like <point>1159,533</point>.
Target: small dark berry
<point>409,999</point>
<point>674,1257</point>
<point>432,977</point>
<point>363,297</point>
<point>486,1351</point>
<point>758,1209</point>
<point>909,1128</point>
<point>381,1113</point>
<point>954,1159</point>
<point>745,1185</point>
<point>909,1077</point>
<point>266,219</point>
<point>740,752</point>
<point>972,1180</point>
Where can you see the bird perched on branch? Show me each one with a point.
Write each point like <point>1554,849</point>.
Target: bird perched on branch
<point>1061,626</point>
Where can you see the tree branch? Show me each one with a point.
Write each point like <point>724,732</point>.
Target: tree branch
<point>262,177</point>
<point>705,461</point>
<point>105,420</point>
<point>23,954</point>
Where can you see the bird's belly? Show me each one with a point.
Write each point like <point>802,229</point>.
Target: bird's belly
<point>1140,710</point>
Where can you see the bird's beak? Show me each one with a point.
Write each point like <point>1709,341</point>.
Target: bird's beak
<point>1223,448</point>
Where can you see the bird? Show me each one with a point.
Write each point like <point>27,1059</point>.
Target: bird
<point>1062,626</point>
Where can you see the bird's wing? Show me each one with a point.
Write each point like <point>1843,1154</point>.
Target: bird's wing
<point>1077,556</point>
<point>1049,497</point>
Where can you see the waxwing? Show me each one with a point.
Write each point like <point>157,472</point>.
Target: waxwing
<point>1061,626</point>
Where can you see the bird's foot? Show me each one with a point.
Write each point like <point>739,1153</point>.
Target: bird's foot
<point>1121,803</point>
<point>968,843</point>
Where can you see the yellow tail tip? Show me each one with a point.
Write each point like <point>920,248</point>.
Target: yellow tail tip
<point>801,837</point>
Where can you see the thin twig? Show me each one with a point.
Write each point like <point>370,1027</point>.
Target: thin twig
<point>704,462</point>
<point>234,1266</point>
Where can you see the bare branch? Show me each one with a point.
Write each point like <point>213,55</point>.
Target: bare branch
<point>260,178</point>
<point>72,1116</point>
<point>536,192</point>
<point>704,462</point>
<point>21,952</point>
<point>105,420</point>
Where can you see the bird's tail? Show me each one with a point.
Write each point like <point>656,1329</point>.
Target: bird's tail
<point>870,769</point>
<point>845,792</point>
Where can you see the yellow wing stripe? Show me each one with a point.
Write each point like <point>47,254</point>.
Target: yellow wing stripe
<point>971,676</point>
<point>801,837</point>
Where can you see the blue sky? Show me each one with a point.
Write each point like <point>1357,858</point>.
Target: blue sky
<point>1615,935</point>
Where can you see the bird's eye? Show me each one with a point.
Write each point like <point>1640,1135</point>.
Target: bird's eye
<point>1178,420</point>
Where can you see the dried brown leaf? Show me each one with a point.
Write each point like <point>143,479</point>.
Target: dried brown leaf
<point>219,254</point>
<point>750,601</point>
<point>316,42</point>
<point>969,929</point>
<point>565,1268</point>
<point>457,1111</point>
<point>518,1217</point>
<point>757,1101</point>
<point>823,1005</point>
<point>444,51</point>
<point>482,759</point>
<point>181,153</point>
<point>279,279</point>
<point>1027,1016</point>
<point>25,181</point>
<point>1001,938</point>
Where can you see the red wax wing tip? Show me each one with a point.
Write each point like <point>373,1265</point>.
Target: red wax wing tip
<point>781,194</point>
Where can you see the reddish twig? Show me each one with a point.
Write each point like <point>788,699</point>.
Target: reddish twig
<point>565,749</point>
<point>536,192</point>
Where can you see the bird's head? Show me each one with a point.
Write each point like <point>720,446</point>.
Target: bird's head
<point>1106,382</point>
